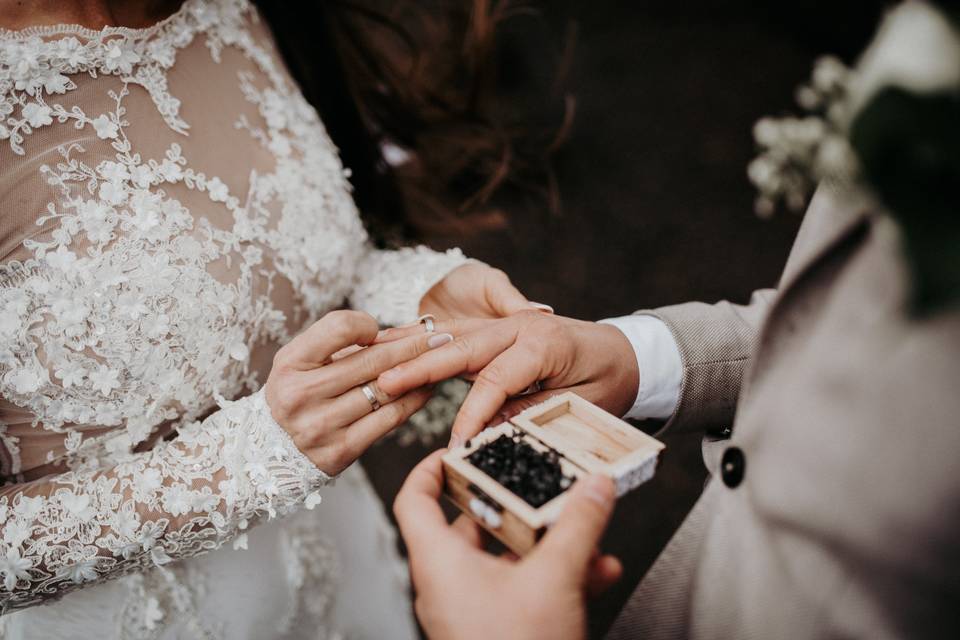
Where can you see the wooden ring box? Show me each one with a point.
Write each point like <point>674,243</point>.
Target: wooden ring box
<point>588,439</point>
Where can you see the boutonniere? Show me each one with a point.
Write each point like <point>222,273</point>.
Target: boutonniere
<point>890,128</point>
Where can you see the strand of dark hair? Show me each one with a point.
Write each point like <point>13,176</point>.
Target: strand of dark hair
<point>421,76</point>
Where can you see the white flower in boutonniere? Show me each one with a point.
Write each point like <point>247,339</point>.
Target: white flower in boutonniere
<point>889,128</point>
<point>916,49</point>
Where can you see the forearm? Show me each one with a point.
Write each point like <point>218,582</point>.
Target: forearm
<point>692,359</point>
<point>184,497</point>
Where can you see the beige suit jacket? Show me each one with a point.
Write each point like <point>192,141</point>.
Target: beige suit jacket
<point>845,415</point>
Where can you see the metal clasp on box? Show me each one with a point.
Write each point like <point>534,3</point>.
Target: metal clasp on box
<point>485,508</point>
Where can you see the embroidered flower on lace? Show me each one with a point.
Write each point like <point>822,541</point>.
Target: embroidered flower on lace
<point>120,320</point>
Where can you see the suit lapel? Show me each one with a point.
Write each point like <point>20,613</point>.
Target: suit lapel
<point>831,216</point>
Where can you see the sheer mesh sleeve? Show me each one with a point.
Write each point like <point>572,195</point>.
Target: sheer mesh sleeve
<point>390,284</point>
<point>184,497</point>
<point>172,211</point>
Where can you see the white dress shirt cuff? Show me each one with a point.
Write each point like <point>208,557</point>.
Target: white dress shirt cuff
<point>659,362</point>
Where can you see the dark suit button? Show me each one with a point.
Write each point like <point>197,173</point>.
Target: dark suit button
<point>732,466</point>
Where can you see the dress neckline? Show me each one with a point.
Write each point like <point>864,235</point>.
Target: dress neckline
<point>79,30</point>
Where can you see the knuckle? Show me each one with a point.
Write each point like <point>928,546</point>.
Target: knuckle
<point>321,381</point>
<point>282,359</point>
<point>527,317</point>
<point>498,274</point>
<point>398,508</point>
<point>543,332</point>
<point>396,411</point>
<point>339,322</point>
<point>369,363</point>
<point>340,453</point>
<point>382,396</point>
<point>285,399</point>
<point>421,607</point>
<point>464,348</point>
<point>491,375</point>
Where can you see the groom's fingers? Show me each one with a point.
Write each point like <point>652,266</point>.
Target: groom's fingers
<point>508,374</point>
<point>469,531</point>
<point>603,573</point>
<point>567,550</point>
<point>417,509</point>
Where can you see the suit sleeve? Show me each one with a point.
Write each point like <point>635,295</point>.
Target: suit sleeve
<point>716,343</point>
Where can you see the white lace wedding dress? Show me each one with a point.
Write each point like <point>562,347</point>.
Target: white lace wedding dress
<point>171,212</point>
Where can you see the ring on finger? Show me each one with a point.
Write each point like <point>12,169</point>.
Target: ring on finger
<point>533,388</point>
<point>427,320</point>
<point>371,395</point>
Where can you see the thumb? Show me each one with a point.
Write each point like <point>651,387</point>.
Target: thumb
<point>569,545</point>
<point>504,298</point>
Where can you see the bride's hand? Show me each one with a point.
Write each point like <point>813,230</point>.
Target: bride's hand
<point>508,356</point>
<point>316,394</point>
<point>476,290</point>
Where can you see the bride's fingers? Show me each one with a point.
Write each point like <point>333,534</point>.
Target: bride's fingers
<point>328,335</point>
<point>360,435</point>
<point>354,404</point>
<point>467,354</point>
<point>456,327</point>
<point>365,365</point>
<point>503,297</point>
<point>346,351</point>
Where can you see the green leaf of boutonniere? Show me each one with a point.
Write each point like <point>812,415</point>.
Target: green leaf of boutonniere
<point>909,149</point>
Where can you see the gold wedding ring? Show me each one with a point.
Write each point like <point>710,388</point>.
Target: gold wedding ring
<point>371,395</point>
<point>427,321</point>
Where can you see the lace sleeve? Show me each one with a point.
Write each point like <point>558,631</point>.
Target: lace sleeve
<point>182,498</point>
<point>390,284</point>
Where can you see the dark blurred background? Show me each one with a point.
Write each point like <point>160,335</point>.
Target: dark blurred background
<point>656,206</point>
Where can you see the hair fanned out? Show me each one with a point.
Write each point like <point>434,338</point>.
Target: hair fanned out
<point>413,93</point>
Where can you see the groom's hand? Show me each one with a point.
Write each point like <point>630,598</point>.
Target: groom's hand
<point>511,354</point>
<point>464,593</point>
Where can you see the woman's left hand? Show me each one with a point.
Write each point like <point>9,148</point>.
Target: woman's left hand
<point>476,290</point>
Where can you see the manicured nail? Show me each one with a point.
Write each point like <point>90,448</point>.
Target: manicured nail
<point>597,488</point>
<point>542,307</point>
<point>455,441</point>
<point>439,340</point>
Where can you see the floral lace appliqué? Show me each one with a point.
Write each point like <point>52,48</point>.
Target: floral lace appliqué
<point>150,283</point>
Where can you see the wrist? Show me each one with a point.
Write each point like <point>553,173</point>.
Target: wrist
<point>619,370</point>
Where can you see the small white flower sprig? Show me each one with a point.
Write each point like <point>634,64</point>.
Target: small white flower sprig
<point>798,152</point>
<point>887,129</point>
<point>916,49</point>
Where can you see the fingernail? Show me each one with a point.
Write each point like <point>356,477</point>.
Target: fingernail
<point>542,307</point>
<point>390,374</point>
<point>597,488</point>
<point>439,340</point>
<point>455,441</point>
